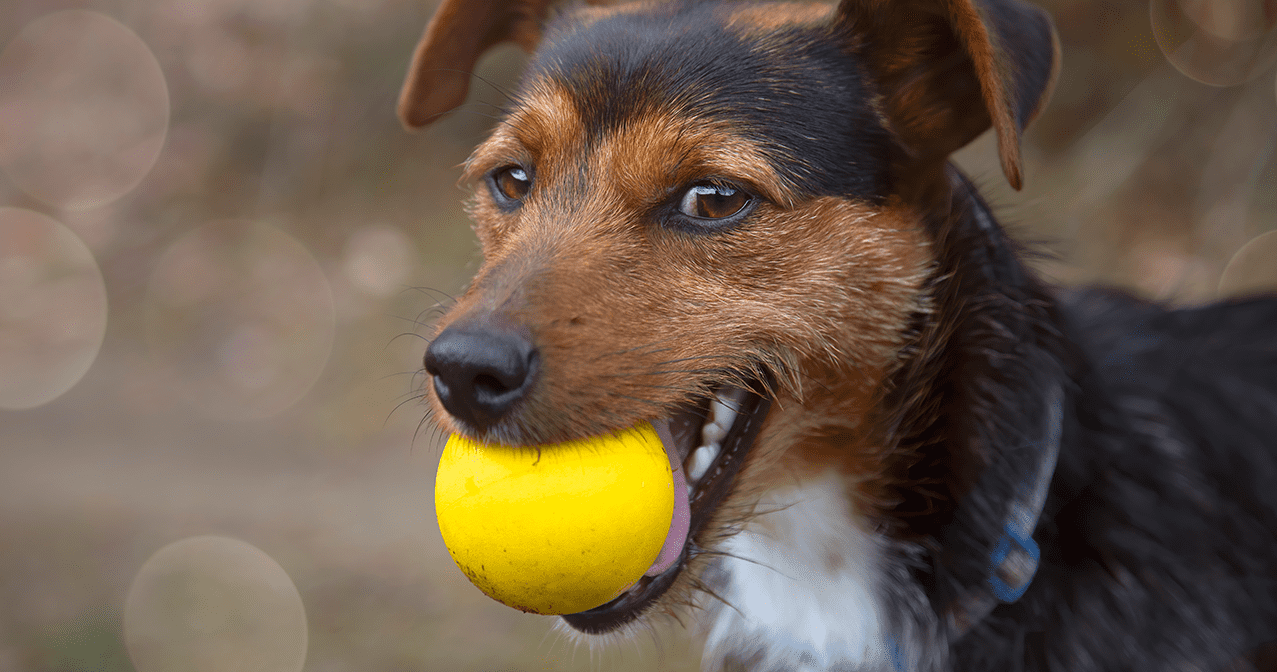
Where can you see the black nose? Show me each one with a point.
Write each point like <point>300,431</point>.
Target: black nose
<point>480,373</point>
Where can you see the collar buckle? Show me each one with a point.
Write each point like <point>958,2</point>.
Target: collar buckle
<point>1013,563</point>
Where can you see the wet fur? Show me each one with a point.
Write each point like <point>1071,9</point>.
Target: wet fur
<point>907,348</point>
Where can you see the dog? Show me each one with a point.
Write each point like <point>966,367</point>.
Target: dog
<point>904,450</point>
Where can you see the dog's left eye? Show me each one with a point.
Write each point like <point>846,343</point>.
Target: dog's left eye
<point>713,201</point>
<point>512,183</point>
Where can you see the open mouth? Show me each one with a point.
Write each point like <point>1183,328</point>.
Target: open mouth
<point>710,440</point>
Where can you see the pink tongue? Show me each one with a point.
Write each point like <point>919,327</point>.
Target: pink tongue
<point>682,520</point>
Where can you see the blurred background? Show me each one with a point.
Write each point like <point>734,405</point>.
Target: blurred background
<point>220,253</point>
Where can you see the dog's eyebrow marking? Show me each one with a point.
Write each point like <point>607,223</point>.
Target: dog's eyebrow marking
<point>659,152</point>
<point>544,123</point>
<point>754,19</point>
<point>587,15</point>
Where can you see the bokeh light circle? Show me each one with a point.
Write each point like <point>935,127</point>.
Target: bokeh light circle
<point>378,260</point>
<point>1253,269</point>
<point>1216,42</point>
<point>53,309</point>
<point>243,316</point>
<point>212,604</point>
<point>84,109</point>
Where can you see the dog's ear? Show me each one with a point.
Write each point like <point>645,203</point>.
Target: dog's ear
<point>948,69</point>
<point>460,32</point>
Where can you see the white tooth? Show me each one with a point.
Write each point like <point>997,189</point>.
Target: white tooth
<point>722,413</point>
<point>701,459</point>
<point>713,432</point>
<point>722,410</point>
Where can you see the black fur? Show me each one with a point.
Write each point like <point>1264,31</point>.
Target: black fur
<point>1159,534</point>
<point>799,95</point>
<point>1159,537</point>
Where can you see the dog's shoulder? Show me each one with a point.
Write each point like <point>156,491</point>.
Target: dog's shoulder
<point>1123,331</point>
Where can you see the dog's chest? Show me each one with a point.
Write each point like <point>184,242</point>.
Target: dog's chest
<point>803,581</point>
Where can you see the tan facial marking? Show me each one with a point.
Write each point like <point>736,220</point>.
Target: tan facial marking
<point>544,126</point>
<point>754,20</point>
<point>818,290</point>
<point>586,16</point>
<point>659,152</point>
<point>853,282</point>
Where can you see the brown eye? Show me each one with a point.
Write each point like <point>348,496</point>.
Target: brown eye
<point>512,182</point>
<point>713,201</point>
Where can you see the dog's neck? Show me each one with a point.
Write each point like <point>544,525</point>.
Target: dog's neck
<point>803,585</point>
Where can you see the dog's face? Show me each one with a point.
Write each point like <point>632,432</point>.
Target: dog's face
<point>663,223</point>
<point>708,216</point>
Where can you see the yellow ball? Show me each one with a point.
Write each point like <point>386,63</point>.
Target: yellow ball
<point>555,529</point>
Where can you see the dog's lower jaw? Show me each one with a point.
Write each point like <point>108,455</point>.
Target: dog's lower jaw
<point>805,587</point>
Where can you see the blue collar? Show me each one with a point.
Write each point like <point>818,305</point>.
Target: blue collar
<point>1013,559</point>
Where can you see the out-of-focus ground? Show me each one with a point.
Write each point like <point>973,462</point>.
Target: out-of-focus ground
<point>218,249</point>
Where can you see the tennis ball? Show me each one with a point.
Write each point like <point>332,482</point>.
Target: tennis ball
<point>559,528</point>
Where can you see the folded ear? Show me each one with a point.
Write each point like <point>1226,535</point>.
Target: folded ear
<point>460,32</point>
<point>948,69</point>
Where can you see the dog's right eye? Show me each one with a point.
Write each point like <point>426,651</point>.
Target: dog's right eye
<point>511,184</point>
<point>712,201</point>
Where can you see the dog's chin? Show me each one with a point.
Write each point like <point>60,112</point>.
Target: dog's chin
<point>711,440</point>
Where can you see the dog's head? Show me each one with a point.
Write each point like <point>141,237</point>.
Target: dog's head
<point>713,216</point>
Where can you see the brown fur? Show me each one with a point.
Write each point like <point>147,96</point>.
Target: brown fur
<point>887,325</point>
<point>823,302</point>
<point>759,20</point>
<point>816,297</point>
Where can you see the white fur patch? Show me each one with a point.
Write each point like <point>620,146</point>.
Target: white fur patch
<point>804,587</point>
